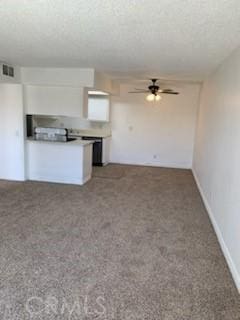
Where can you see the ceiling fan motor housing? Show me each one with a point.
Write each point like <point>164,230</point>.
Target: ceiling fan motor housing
<point>154,89</point>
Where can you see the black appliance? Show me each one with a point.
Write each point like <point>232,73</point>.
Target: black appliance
<point>29,123</point>
<point>97,150</point>
<point>52,134</point>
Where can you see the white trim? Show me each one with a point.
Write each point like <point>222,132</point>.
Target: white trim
<point>225,250</point>
<point>13,179</point>
<point>87,178</point>
<point>153,164</point>
<point>54,179</point>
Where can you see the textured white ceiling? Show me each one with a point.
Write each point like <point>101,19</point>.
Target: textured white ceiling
<point>168,38</point>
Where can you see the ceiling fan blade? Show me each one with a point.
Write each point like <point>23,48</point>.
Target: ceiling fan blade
<point>144,91</point>
<point>165,90</point>
<point>169,92</point>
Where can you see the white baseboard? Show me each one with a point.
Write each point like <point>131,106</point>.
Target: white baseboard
<point>54,179</point>
<point>152,164</point>
<point>87,178</point>
<point>225,250</point>
<point>13,179</point>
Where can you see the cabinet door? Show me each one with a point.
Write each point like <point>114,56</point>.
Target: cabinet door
<point>98,108</point>
<point>63,101</point>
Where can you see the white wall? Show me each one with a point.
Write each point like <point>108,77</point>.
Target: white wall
<point>158,134</point>
<point>103,82</point>
<point>217,156</point>
<point>11,132</point>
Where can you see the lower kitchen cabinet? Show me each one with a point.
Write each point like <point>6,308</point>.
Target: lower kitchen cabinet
<point>106,150</point>
<point>60,162</point>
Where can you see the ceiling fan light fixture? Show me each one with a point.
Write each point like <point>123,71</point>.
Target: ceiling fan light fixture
<point>153,97</point>
<point>153,91</point>
<point>150,97</point>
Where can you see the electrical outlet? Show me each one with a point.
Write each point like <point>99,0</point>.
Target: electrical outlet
<point>156,157</point>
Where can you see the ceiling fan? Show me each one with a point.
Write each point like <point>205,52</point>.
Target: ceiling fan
<point>154,91</point>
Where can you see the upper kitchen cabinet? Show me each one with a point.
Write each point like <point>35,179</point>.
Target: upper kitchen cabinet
<point>60,91</point>
<point>56,100</point>
<point>98,107</point>
<point>72,77</point>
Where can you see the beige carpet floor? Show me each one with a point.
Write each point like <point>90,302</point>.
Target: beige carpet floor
<point>133,243</point>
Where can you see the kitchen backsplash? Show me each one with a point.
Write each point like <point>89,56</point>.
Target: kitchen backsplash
<point>74,124</point>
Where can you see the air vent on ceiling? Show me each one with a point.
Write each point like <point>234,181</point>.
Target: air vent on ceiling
<point>7,70</point>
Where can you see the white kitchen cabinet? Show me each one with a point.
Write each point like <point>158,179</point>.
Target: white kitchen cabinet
<point>60,162</point>
<point>98,107</point>
<point>56,100</point>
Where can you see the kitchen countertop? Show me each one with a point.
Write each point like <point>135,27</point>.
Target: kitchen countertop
<point>85,133</point>
<point>68,143</point>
